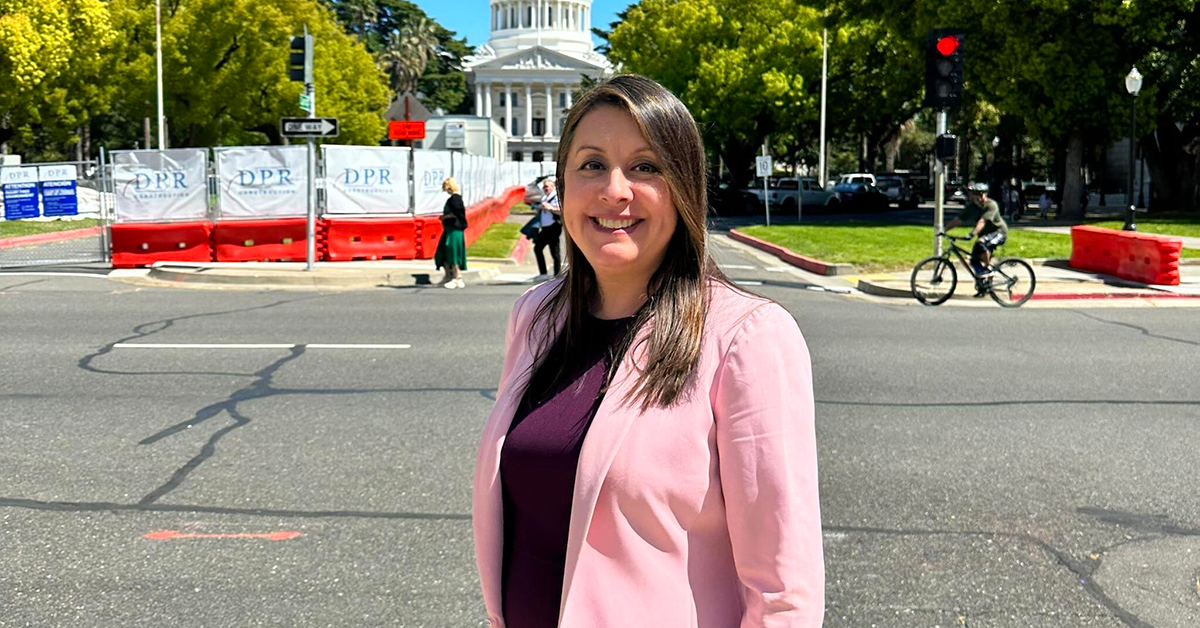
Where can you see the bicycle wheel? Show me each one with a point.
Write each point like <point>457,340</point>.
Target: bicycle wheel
<point>933,280</point>
<point>1013,282</point>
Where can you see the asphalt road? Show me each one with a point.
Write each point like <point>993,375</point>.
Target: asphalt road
<point>980,467</point>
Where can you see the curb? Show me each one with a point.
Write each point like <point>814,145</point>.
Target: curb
<point>53,236</point>
<point>807,263</point>
<point>521,249</point>
<point>168,273</point>
<point>867,286</point>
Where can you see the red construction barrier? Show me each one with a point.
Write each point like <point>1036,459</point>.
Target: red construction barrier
<point>372,238</point>
<point>429,231</point>
<point>272,240</point>
<point>142,244</point>
<point>1147,258</point>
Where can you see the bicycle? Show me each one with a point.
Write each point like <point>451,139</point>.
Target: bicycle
<point>1010,284</point>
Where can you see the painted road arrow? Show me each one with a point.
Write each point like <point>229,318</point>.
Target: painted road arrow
<point>309,127</point>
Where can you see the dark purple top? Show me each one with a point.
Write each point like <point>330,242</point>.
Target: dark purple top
<point>537,472</point>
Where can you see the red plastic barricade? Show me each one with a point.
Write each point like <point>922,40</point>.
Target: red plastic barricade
<point>1142,257</point>
<point>371,238</point>
<point>429,231</point>
<point>142,244</point>
<point>273,240</point>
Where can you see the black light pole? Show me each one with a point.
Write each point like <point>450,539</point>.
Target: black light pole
<point>1133,83</point>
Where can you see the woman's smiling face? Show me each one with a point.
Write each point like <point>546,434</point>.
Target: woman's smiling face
<point>616,204</point>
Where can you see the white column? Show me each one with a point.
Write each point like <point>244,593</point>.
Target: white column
<point>478,99</point>
<point>487,100</point>
<point>508,108</point>
<point>528,110</point>
<point>568,96</point>
<point>549,111</point>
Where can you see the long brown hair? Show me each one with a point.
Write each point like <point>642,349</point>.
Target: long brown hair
<point>678,290</point>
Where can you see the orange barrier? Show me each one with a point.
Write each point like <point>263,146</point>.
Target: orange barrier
<point>480,216</point>
<point>1147,258</point>
<point>272,240</point>
<point>142,244</point>
<point>372,238</point>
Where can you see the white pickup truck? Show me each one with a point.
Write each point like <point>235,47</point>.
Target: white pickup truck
<point>805,190</point>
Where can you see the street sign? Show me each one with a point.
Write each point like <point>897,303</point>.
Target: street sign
<point>306,102</point>
<point>406,130</point>
<point>762,166</point>
<point>455,134</point>
<point>308,127</point>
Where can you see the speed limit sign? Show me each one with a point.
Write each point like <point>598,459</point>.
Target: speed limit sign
<point>762,166</point>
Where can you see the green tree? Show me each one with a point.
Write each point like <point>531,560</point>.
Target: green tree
<point>225,70</point>
<point>52,67</point>
<point>1056,65</point>
<point>398,33</point>
<point>745,71</point>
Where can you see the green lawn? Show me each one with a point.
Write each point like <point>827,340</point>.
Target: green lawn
<point>497,241</point>
<point>521,209</point>
<point>1186,226</point>
<point>10,228</point>
<point>890,248</point>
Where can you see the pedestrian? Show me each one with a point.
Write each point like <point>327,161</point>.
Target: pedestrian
<point>651,457</point>
<point>549,231</point>
<point>451,253</point>
<point>1044,204</point>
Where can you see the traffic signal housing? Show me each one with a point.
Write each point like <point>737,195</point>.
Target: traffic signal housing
<point>944,68</point>
<point>300,59</point>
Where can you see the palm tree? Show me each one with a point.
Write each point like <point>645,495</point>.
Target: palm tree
<point>408,52</point>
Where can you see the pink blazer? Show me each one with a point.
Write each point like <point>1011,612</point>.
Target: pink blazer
<point>705,514</point>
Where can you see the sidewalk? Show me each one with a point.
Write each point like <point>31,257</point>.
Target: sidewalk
<point>1057,283</point>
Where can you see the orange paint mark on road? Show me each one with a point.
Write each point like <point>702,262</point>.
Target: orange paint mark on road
<point>165,535</point>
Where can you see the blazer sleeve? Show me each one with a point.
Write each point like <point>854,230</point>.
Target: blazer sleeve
<point>766,448</point>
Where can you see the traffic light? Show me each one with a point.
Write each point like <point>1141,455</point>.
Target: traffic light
<point>300,59</point>
<point>944,68</point>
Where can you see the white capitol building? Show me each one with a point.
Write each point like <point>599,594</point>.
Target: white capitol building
<point>523,77</point>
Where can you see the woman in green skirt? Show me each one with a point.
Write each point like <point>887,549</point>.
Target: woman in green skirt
<point>451,255</point>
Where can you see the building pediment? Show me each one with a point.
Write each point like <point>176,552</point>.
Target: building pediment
<point>540,58</point>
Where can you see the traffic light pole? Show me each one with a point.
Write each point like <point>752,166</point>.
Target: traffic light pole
<point>310,89</point>
<point>939,187</point>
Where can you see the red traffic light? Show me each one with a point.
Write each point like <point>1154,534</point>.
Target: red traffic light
<point>947,45</point>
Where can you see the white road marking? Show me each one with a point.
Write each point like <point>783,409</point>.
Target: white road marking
<point>744,282</point>
<point>736,267</point>
<point>132,345</point>
<point>778,269</point>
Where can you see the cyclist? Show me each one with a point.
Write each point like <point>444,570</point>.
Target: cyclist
<point>989,229</point>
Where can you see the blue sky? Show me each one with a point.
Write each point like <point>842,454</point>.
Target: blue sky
<point>469,18</point>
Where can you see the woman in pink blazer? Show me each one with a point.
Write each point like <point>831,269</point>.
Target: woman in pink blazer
<point>651,458</point>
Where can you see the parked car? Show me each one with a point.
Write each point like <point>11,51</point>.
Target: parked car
<point>861,197</point>
<point>857,177</point>
<point>804,190</point>
<point>534,192</point>
<point>899,191</point>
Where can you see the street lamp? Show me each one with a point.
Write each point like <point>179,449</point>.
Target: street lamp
<point>1133,84</point>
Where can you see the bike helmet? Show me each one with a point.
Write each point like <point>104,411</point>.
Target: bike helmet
<point>978,187</point>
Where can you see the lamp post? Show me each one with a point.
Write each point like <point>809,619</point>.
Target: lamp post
<point>1133,84</point>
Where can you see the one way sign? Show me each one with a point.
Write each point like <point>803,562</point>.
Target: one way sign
<point>309,127</point>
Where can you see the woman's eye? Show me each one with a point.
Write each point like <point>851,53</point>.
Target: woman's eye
<point>591,165</point>
<point>647,168</point>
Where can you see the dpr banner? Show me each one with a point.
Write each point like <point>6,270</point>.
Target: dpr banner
<point>60,196</point>
<point>262,181</point>
<point>20,187</point>
<point>366,180</point>
<point>151,185</point>
<point>430,168</point>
